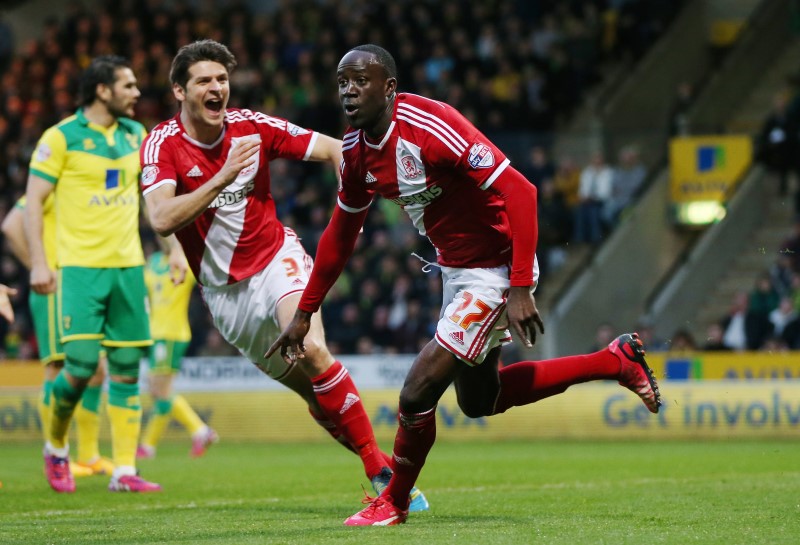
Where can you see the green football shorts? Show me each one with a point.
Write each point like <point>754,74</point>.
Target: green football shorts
<point>165,356</point>
<point>45,312</point>
<point>106,304</point>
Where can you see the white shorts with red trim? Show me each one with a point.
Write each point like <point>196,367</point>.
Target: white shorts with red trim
<point>246,313</point>
<point>473,307</point>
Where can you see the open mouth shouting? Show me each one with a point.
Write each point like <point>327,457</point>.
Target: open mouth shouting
<point>350,109</point>
<point>213,107</point>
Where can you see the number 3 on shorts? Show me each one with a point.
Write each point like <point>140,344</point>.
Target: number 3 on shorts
<point>482,311</point>
<point>292,268</point>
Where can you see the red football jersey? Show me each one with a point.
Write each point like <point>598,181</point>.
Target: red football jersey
<point>239,233</point>
<point>438,167</point>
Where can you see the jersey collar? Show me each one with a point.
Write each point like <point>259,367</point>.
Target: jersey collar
<point>383,140</point>
<point>83,120</point>
<point>197,143</point>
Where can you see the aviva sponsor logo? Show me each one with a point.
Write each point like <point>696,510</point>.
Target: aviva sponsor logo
<point>116,178</point>
<point>114,200</point>
<point>710,158</point>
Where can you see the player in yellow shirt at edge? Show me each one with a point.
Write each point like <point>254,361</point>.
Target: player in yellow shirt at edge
<point>90,160</point>
<point>44,312</point>
<point>169,325</point>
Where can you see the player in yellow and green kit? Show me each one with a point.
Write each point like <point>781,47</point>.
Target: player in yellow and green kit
<point>44,311</point>
<point>169,324</point>
<point>90,160</point>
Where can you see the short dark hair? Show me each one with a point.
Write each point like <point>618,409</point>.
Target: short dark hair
<point>103,70</point>
<point>385,58</point>
<point>201,50</point>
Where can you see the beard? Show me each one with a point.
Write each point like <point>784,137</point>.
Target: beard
<point>119,109</point>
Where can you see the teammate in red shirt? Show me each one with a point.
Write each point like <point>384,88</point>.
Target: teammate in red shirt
<point>205,177</point>
<point>480,214</point>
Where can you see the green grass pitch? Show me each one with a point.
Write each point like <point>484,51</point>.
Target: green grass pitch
<point>726,492</point>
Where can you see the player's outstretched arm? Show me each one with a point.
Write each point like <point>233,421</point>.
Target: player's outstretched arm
<point>169,212</point>
<point>6,309</point>
<point>14,230</point>
<point>327,149</point>
<point>178,266</point>
<point>291,340</point>
<point>521,202</point>
<point>335,246</point>
<point>43,279</point>
<point>523,316</point>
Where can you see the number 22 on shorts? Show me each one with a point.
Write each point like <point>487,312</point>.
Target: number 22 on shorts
<point>482,311</point>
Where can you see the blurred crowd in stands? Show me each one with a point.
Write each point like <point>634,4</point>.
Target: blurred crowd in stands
<point>517,68</point>
<point>765,318</point>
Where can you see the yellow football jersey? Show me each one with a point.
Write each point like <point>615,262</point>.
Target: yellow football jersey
<point>169,304</point>
<point>95,171</point>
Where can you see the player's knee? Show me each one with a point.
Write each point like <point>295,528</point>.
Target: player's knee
<point>52,369</point>
<point>124,361</point>
<point>475,408</point>
<point>317,350</point>
<point>160,386</point>
<point>99,376</point>
<point>81,358</point>
<point>414,400</point>
<point>414,420</point>
<point>317,359</point>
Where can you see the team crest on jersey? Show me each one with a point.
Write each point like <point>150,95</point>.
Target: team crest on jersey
<point>481,156</point>
<point>43,153</point>
<point>294,130</point>
<point>410,166</point>
<point>149,174</point>
<point>133,140</point>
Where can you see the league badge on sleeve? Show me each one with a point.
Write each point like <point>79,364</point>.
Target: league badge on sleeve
<point>149,174</point>
<point>294,130</point>
<point>480,156</point>
<point>43,153</point>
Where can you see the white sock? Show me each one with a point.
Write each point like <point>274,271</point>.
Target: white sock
<point>201,433</point>
<point>122,471</point>
<point>53,451</point>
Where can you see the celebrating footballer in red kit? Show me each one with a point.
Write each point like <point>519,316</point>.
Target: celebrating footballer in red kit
<point>479,213</point>
<point>206,178</point>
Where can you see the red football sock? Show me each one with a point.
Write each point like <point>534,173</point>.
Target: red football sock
<point>387,460</point>
<point>330,427</point>
<point>529,381</point>
<point>413,442</point>
<point>339,399</point>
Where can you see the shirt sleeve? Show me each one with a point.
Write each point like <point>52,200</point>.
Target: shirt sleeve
<point>353,196</point>
<point>335,247</point>
<point>281,138</point>
<point>49,156</point>
<point>158,167</point>
<point>452,141</point>
<point>520,198</point>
